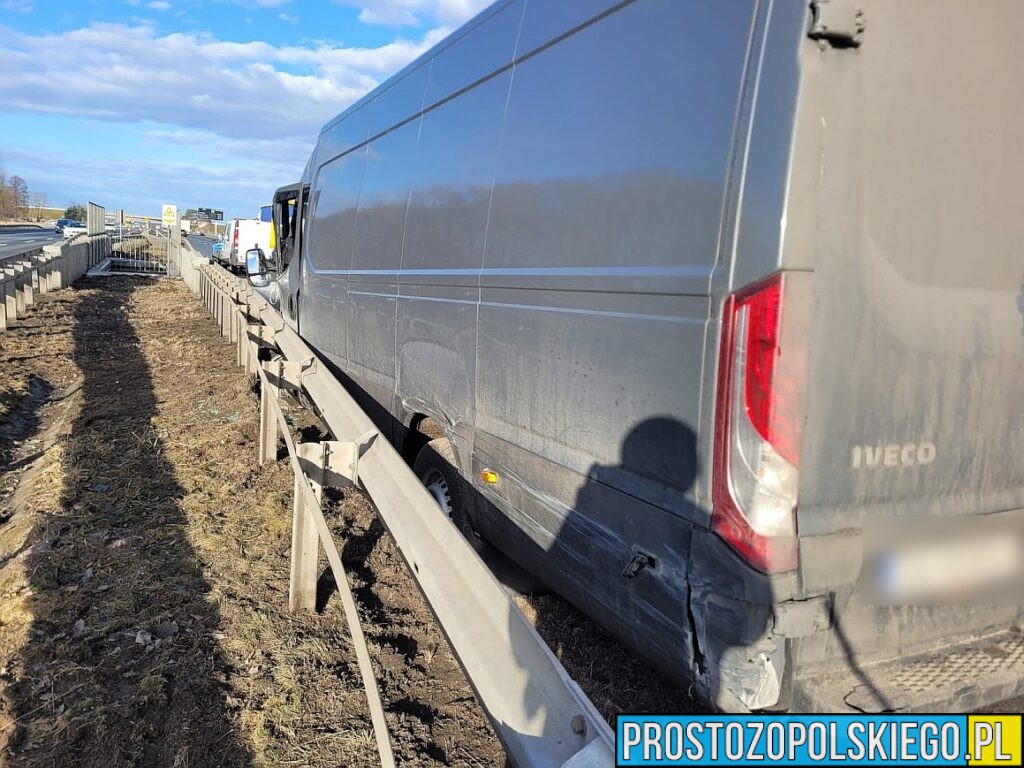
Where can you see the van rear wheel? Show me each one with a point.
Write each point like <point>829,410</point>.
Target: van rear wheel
<point>436,468</point>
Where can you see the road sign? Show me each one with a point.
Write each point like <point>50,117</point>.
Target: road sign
<point>210,214</point>
<point>170,215</point>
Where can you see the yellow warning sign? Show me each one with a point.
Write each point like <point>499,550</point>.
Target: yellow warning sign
<point>170,215</point>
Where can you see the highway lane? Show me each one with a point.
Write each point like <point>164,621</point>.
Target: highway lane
<point>18,239</point>
<point>203,244</point>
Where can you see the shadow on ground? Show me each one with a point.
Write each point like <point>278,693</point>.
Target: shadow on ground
<point>121,666</point>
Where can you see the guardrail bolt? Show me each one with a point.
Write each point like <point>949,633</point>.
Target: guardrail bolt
<point>578,725</point>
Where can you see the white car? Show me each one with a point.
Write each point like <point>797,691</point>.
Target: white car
<point>73,228</point>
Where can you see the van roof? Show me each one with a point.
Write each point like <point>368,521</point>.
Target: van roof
<point>419,61</point>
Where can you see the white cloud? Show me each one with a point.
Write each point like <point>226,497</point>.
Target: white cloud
<point>140,187</point>
<point>407,13</point>
<point>227,121</point>
<point>260,3</point>
<point>236,90</point>
<point>159,5</point>
<point>288,18</point>
<point>18,6</point>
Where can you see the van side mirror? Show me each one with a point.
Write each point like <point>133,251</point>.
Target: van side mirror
<point>256,268</point>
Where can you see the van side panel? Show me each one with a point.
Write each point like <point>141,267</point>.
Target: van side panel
<point>422,181</point>
<point>330,240</point>
<point>444,246</point>
<point>602,239</point>
<point>560,214</point>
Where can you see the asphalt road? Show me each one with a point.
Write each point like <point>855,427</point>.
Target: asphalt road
<point>16,240</point>
<point>203,244</point>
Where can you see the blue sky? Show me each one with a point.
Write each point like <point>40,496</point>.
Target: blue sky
<point>214,103</point>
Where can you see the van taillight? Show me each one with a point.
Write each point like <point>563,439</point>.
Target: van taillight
<point>759,419</point>
<point>234,237</point>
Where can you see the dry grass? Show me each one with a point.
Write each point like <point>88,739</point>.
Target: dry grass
<point>144,561</point>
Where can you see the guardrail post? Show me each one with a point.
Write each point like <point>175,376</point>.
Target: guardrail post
<point>30,275</point>
<point>305,550</point>
<point>10,278</point>
<point>268,423</point>
<point>19,271</point>
<point>251,361</point>
<point>241,340</point>
<point>236,321</point>
<point>252,355</point>
<point>56,275</point>
<point>328,463</point>
<point>44,273</point>
<point>58,270</point>
<point>40,262</point>
<point>3,299</point>
<point>242,317</point>
<point>51,270</point>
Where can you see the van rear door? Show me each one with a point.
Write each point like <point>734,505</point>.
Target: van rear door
<point>915,385</point>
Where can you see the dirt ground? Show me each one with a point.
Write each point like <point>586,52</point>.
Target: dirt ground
<point>144,566</point>
<point>144,569</point>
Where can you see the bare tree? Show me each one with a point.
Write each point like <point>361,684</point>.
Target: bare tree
<point>19,195</point>
<point>5,194</point>
<point>38,203</point>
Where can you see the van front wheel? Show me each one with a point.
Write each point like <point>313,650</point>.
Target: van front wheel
<point>436,468</point>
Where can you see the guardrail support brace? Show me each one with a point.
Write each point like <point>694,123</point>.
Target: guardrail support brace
<point>262,334</point>
<point>327,464</point>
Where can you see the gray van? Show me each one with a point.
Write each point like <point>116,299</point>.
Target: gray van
<point>711,315</point>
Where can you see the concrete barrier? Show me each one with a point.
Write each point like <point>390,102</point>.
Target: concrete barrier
<point>37,271</point>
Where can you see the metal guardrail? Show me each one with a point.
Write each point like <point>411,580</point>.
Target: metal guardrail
<point>36,271</point>
<point>541,716</point>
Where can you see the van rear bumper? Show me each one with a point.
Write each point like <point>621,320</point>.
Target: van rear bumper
<point>958,678</point>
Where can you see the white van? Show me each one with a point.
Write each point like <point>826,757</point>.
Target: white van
<point>243,235</point>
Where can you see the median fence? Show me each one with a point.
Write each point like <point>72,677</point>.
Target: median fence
<point>184,261</point>
<point>26,276</point>
<point>541,716</point>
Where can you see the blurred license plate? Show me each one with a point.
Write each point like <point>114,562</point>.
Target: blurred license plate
<point>942,571</point>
